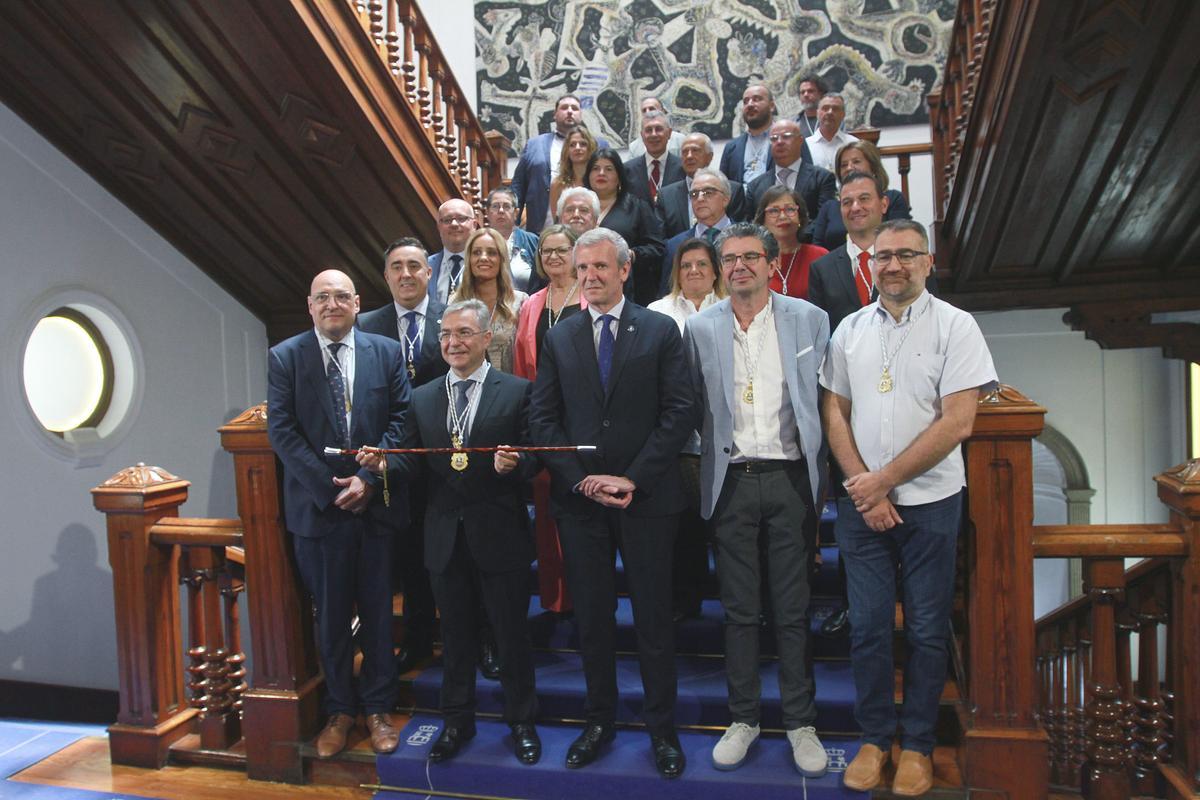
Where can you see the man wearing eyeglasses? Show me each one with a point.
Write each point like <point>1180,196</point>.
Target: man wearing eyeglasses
<point>674,205</point>
<point>476,524</point>
<point>902,378</point>
<point>500,212</point>
<point>755,357</point>
<point>749,155</point>
<point>335,386</point>
<point>709,196</point>
<point>455,222</point>
<point>789,169</point>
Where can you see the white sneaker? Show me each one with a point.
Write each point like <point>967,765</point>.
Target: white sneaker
<point>808,752</point>
<point>730,752</point>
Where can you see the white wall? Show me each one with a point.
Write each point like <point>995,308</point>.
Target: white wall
<point>203,359</point>
<point>453,25</point>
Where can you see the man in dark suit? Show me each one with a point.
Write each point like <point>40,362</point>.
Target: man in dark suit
<point>455,223</point>
<point>674,205</point>
<point>335,386</point>
<point>646,174</point>
<point>790,169</point>
<point>413,318</point>
<point>749,155</point>
<point>476,524</point>
<point>711,197</point>
<point>539,163</point>
<point>615,377</point>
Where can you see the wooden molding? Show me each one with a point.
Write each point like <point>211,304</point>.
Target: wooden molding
<point>1124,324</point>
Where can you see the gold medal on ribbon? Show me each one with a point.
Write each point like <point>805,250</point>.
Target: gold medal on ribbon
<point>412,371</point>
<point>885,382</point>
<point>458,461</point>
<point>748,395</point>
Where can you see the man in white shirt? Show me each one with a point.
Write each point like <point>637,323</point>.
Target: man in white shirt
<point>755,357</point>
<point>638,148</point>
<point>902,377</point>
<point>455,223</point>
<point>829,136</point>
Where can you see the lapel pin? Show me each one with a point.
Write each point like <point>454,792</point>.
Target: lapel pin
<point>629,329</point>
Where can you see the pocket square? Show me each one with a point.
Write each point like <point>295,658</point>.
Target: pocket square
<point>805,350</point>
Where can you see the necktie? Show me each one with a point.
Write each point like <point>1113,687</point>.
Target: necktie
<point>461,401</point>
<point>604,352</point>
<point>862,280</point>
<point>782,176</point>
<point>337,392</point>
<point>412,335</point>
<point>455,271</point>
<point>655,179</point>
<point>711,234</point>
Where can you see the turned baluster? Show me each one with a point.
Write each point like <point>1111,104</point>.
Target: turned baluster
<point>450,130</point>
<point>424,95</point>
<point>1068,771</point>
<point>1105,776</point>
<point>375,14</point>
<point>218,720</point>
<point>235,661</point>
<point>1083,663</point>
<point>391,38</point>
<point>408,22</point>
<point>197,684</point>
<point>436,117</point>
<point>1059,736</point>
<point>904,166</point>
<point>1125,628</point>
<point>1148,738</point>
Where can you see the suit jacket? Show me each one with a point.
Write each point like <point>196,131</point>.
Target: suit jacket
<point>829,229</point>
<point>635,220</point>
<point>831,286</point>
<point>384,322</point>
<point>674,207</point>
<point>531,180</point>
<point>637,181</point>
<point>435,265</point>
<point>814,184</point>
<point>490,507</point>
<point>639,424</point>
<point>803,332</point>
<point>733,159</point>
<point>301,423</point>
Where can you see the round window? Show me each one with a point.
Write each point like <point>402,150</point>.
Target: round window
<point>67,372</point>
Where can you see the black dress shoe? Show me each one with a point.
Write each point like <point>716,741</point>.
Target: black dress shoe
<point>668,755</point>
<point>584,750</point>
<point>836,623</point>
<point>489,661</point>
<point>526,744</point>
<point>449,742</point>
<point>410,657</point>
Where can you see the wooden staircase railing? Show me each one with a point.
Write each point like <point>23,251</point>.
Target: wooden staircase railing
<point>476,159</point>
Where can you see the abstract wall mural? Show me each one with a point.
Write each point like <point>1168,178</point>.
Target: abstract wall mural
<point>882,55</point>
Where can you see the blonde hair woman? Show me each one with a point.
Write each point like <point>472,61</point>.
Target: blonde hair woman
<point>487,278</point>
<point>578,146</point>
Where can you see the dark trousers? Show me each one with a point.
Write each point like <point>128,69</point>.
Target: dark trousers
<point>691,583</point>
<point>589,551</point>
<point>505,598</point>
<point>924,546</point>
<point>757,515</point>
<point>348,573</point>
<point>408,568</point>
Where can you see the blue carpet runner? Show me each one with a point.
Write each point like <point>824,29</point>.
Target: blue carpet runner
<point>486,766</point>
<point>23,744</point>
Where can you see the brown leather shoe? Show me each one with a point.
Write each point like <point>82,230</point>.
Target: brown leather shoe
<point>333,737</point>
<point>384,736</point>
<point>866,770</point>
<point>914,774</point>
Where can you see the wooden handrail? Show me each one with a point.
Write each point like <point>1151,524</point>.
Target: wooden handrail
<point>197,532</point>
<point>1108,541</point>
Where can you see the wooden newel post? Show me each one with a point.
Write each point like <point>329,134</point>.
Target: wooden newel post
<point>154,711</point>
<point>1002,687</point>
<point>281,705</point>
<point>1179,490</point>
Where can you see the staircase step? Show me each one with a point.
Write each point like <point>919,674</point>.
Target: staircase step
<point>703,635</point>
<point>702,694</point>
<point>486,767</point>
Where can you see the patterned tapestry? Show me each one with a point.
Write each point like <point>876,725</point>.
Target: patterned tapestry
<point>883,56</point>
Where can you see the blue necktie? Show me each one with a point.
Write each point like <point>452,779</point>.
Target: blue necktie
<point>604,352</point>
<point>337,392</point>
<point>461,401</point>
<point>413,333</point>
<point>455,271</point>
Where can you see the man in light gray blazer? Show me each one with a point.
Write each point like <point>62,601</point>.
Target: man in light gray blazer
<point>754,358</point>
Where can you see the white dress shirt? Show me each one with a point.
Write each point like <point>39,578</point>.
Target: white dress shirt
<point>474,394</point>
<point>853,251</point>
<point>614,326</point>
<point>443,283</point>
<point>794,172</point>
<point>944,353</point>
<point>638,148</point>
<point>766,428</point>
<point>345,362</point>
<point>679,308</point>
<point>824,151</point>
<point>410,350</point>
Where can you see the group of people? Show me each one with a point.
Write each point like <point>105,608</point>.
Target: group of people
<point>650,387</point>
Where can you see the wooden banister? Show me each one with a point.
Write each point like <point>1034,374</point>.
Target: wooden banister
<point>1107,541</point>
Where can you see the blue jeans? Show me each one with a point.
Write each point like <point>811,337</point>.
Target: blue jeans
<point>923,548</point>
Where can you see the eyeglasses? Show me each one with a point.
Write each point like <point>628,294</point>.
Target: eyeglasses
<point>561,252</point>
<point>501,206</point>
<point>460,220</point>
<point>749,259</point>
<point>783,136</point>
<point>905,257</point>
<point>341,298</point>
<point>786,211</point>
<point>699,194</point>
<point>463,335</point>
